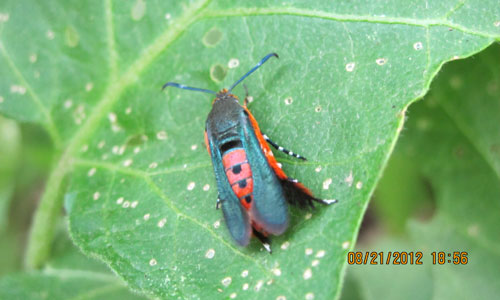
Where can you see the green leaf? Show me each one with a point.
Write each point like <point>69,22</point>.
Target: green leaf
<point>454,136</point>
<point>142,192</point>
<point>69,276</point>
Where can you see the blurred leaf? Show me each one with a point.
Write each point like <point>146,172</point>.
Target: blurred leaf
<point>9,159</point>
<point>70,275</point>
<point>401,197</point>
<point>453,135</point>
<point>91,75</point>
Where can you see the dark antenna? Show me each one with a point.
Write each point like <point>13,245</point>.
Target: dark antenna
<point>184,87</point>
<point>253,69</point>
<point>181,86</point>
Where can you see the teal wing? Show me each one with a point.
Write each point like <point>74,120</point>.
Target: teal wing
<point>269,209</point>
<point>234,214</point>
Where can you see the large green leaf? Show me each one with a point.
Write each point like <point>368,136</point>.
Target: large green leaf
<point>142,193</point>
<point>454,136</point>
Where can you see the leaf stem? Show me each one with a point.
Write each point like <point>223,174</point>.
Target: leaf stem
<point>43,226</point>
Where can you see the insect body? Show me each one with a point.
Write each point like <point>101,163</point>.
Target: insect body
<point>254,192</point>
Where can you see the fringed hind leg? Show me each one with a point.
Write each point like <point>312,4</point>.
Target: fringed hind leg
<point>297,194</point>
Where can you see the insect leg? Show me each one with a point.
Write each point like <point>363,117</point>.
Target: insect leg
<point>278,147</point>
<point>217,205</point>
<point>263,239</point>
<point>306,196</point>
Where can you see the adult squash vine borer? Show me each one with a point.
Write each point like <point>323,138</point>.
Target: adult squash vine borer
<point>254,192</point>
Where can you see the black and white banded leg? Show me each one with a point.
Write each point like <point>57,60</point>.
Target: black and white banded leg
<point>278,147</point>
<point>310,198</point>
<point>217,205</point>
<point>266,243</point>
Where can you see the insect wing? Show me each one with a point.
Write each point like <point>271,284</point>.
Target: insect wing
<point>234,214</point>
<point>269,208</point>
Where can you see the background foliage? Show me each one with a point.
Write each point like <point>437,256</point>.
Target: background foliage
<point>127,161</point>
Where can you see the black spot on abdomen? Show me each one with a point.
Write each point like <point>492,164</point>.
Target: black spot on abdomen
<point>237,169</point>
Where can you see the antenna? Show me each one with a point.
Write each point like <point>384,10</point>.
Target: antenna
<point>253,69</point>
<point>184,87</point>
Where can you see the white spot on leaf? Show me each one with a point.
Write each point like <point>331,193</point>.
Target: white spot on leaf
<point>17,89</point>
<point>146,217</point>
<point>112,117</point>
<point>68,103</point>
<point>245,286</point>
<point>285,245</point>
<point>318,169</point>
<point>153,262</point>
<point>309,296</point>
<point>161,135</point>
<point>206,187</point>
<point>259,285</point>
<point>97,195</point>
<point>210,253</point>
<point>127,163</point>
<point>89,86</point>
<point>244,273</point>
<point>91,172</point>
<point>381,61</point>
<point>359,185</point>
<point>309,251</point>
<point>226,281</point>
<point>119,200</point>
<point>216,224</point>
<point>50,34</point>
<point>307,274</point>
<point>134,204</point>
<point>315,263</point>
<point>288,100</point>
<point>320,253</point>
<point>33,58</point>
<point>349,179</point>
<point>162,222</point>
<point>233,63</point>
<point>153,165</point>
<point>345,245</point>
<point>326,183</point>
<point>191,186</point>
<point>418,46</point>
<point>350,66</point>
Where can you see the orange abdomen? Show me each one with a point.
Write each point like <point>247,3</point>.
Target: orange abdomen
<point>239,175</point>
